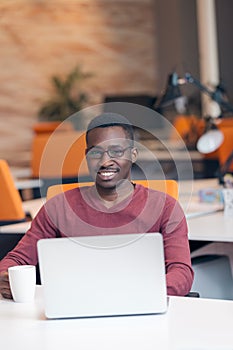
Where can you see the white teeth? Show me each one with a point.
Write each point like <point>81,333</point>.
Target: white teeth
<point>107,174</point>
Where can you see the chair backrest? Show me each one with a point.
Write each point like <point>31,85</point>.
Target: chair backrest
<point>50,127</point>
<point>11,207</point>
<point>167,186</point>
<point>64,155</point>
<point>189,127</point>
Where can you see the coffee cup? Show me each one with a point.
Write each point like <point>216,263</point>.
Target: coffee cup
<point>22,279</point>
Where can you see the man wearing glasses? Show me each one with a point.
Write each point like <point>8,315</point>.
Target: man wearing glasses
<point>113,205</point>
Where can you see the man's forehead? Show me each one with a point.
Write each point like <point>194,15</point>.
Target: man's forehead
<point>112,143</point>
<point>107,134</point>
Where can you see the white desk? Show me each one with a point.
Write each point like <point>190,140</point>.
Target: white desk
<point>21,173</point>
<point>190,323</point>
<point>204,225</point>
<point>213,227</point>
<point>166,149</point>
<point>22,227</point>
<point>28,184</point>
<point>24,182</point>
<point>32,206</point>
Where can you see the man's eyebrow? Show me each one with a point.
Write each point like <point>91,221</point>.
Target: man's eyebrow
<point>102,148</point>
<point>95,147</point>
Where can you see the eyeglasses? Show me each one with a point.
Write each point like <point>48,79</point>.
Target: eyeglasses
<point>96,153</point>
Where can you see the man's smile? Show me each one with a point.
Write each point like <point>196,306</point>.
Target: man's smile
<point>107,174</point>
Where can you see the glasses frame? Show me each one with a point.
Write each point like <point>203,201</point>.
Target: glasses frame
<point>108,151</point>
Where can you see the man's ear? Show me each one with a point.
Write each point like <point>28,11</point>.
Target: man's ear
<point>134,154</point>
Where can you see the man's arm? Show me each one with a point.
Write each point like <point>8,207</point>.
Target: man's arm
<point>179,273</point>
<point>25,253</point>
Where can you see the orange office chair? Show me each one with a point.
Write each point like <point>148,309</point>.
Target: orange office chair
<point>226,147</point>
<point>11,207</point>
<point>59,155</point>
<point>50,127</point>
<point>188,127</point>
<point>168,186</point>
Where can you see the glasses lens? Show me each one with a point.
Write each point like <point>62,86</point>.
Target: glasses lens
<point>95,153</point>
<point>115,153</point>
<point>112,153</point>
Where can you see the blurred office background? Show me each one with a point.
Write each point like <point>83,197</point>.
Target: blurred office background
<point>129,47</point>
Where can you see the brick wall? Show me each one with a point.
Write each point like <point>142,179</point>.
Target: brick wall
<point>115,40</point>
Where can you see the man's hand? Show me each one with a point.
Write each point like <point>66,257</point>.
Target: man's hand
<point>5,286</point>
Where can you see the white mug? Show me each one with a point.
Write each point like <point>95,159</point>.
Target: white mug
<point>22,279</point>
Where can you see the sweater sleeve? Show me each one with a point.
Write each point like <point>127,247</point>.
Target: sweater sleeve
<point>25,253</point>
<point>179,273</point>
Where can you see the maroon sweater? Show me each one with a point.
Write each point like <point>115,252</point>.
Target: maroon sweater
<point>77,213</point>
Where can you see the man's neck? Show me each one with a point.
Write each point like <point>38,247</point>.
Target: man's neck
<point>111,197</point>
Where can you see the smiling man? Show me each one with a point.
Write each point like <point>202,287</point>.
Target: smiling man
<point>110,154</point>
<point>113,205</point>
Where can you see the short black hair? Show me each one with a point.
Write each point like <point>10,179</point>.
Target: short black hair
<point>105,120</point>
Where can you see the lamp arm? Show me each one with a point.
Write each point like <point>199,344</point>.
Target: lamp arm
<point>190,79</point>
<point>214,95</point>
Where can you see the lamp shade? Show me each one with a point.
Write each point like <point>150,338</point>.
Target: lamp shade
<point>171,93</point>
<point>210,141</point>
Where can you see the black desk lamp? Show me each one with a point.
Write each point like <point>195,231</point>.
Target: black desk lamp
<point>216,95</point>
<point>213,137</point>
<point>170,94</point>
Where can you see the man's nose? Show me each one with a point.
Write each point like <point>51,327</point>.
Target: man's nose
<point>105,158</point>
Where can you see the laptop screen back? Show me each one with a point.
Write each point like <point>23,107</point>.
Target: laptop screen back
<point>103,275</point>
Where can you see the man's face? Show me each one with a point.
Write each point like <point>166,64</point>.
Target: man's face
<point>107,169</point>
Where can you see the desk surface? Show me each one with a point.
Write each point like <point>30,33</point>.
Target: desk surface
<point>32,206</point>
<point>166,149</point>
<point>212,227</point>
<point>27,184</point>
<point>190,323</point>
<point>206,221</point>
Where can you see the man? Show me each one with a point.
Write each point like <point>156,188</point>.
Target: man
<point>114,205</point>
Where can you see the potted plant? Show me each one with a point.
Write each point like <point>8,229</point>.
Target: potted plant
<point>67,99</point>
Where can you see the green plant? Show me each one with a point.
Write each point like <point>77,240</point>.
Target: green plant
<point>67,99</point>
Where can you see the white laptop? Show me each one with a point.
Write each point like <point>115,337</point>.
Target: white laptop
<point>103,275</point>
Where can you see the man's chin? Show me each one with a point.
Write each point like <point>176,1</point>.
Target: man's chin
<point>106,183</point>
<point>112,183</point>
